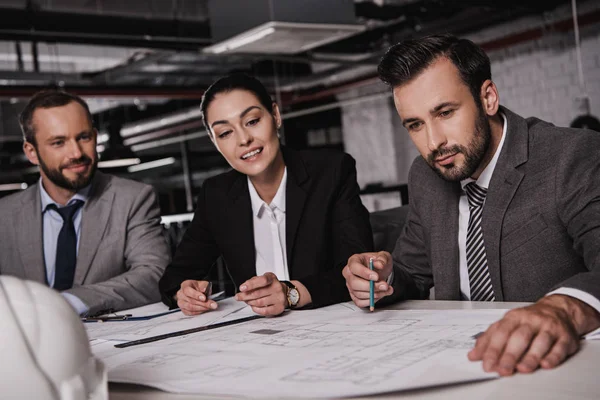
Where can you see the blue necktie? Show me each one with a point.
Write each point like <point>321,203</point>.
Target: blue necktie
<point>66,248</point>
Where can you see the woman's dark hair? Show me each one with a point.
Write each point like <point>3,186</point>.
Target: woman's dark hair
<point>407,59</point>
<point>232,82</point>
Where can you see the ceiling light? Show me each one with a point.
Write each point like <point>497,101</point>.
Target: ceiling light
<point>152,164</point>
<point>13,186</point>
<point>122,162</point>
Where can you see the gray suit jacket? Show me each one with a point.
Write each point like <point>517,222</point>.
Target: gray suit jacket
<point>541,219</point>
<point>122,251</point>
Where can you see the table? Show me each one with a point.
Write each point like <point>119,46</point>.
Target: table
<point>577,378</point>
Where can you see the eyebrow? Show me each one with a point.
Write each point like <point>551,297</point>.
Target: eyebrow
<point>224,121</point>
<point>432,111</point>
<point>63,137</point>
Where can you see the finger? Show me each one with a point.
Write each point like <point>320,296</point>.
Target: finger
<point>272,300</point>
<point>559,352</point>
<point>192,293</point>
<point>359,302</point>
<point>540,346</point>
<point>516,346</point>
<point>258,282</point>
<point>382,259</point>
<point>359,266</point>
<point>269,311</point>
<point>192,309</point>
<point>499,334</point>
<point>191,300</point>
<point>259,293</point>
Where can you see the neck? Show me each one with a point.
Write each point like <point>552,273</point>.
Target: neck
<point>58,194</point>
<point>497,127</point>
<point>267,183</point>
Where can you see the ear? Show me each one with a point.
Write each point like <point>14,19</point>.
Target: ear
<point>489,97</point>
<point>276,115</point>
<point>30,153</point>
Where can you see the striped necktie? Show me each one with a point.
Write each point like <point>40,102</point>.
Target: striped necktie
<point>479,274</point>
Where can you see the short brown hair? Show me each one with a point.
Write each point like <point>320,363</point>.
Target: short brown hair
<point>46,99</point>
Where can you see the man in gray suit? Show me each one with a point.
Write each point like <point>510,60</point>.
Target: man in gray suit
<point>502,209</point>
<point>94,237</point>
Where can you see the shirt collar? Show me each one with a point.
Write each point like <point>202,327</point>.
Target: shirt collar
<point>82,194</point>
<point>486,175</point>
<point>278,201</point>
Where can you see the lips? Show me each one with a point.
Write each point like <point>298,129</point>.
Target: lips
<point>252,153</point>
<point>77,167</point>
<point>445,160</point>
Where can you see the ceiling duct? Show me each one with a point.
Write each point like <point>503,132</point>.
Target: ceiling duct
<point>278,26</point>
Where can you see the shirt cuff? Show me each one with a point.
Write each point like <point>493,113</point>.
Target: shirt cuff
<point>390,278</point>
<point>579,295</point>
<point>76,303</point>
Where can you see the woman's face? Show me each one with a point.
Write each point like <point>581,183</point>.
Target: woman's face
<point>244,131</point>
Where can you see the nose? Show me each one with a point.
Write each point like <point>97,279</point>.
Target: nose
<point>435,138</point>
<point>74,150</point>
<point>244,137</point>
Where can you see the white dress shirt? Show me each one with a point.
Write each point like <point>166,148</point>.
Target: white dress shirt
<point>269,232</point>
<point>463,222</point>
<point>52,224</point>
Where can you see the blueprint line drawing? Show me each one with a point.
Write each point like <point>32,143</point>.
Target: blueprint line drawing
<point>323,353</point>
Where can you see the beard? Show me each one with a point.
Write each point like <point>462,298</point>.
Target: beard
<point>59,179</point>
<point>473,154</point>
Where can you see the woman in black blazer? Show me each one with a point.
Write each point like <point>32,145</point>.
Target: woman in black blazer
<point>284,221</point>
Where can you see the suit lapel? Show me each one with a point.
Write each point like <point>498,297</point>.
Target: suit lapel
<point>31,246</point>
<point>503,186</point>
<point>295,198</point>
<point>444,251</point>
<point>240,215</point>
<point>93,224</point>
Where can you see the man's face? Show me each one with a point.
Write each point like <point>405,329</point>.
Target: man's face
<point>65,146</point>
<point>450,130</point>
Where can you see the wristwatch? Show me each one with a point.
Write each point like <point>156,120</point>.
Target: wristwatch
<point>293,296</point>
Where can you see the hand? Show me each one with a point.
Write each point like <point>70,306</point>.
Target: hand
<point>265,294</point>
<point>358,275</point>
<point>191,298</point>
<point>541,335</point>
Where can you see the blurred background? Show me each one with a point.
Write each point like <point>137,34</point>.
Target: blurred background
<point>143,65</point>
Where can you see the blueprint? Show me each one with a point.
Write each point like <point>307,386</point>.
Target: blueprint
<point>134,330</point>
<point>337,351</point>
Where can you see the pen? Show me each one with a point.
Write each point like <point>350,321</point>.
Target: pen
<point>208,290</point>
<point>371,288</point>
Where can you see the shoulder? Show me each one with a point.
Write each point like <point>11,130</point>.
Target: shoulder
<point>560,144</point>
<point>15,201</point>
<point>124,190</point>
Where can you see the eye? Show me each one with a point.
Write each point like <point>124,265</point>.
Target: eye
<point>57,143</point>
<point>415,126</point>
<point>223,135</point>
<point>86,136</point>
<point>446,113</point>
<point>253,122</point>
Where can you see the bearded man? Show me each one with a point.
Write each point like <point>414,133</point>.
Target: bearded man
<point>502,209</point>
<point>94,237</point>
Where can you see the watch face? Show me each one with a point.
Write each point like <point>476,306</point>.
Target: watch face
<point>294,296</point>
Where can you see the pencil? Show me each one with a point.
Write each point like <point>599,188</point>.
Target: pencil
<point>371,288</point>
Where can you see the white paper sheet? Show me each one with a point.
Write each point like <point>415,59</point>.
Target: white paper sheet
<point>332,352</point>
<point>177,321</point>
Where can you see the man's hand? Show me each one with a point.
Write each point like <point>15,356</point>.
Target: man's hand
<point>541,335</point>
<point>265,294</point>
<point>358,275</point>
<point>191,298</point>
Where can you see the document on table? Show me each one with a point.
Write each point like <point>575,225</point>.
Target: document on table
<point>172,322</point>
<point>332,352</point>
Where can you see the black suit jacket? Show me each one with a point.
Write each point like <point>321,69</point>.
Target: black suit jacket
<point>540,222</point>
<point>326,223</point>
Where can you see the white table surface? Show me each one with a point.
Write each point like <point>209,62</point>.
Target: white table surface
<point>577,378</point>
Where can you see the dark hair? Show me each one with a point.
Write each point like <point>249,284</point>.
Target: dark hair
<point>46,99</point>
<point>234,82</point>
<point>407,59</point>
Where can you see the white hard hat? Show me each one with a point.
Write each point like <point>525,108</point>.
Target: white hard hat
<point>44,349</point>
